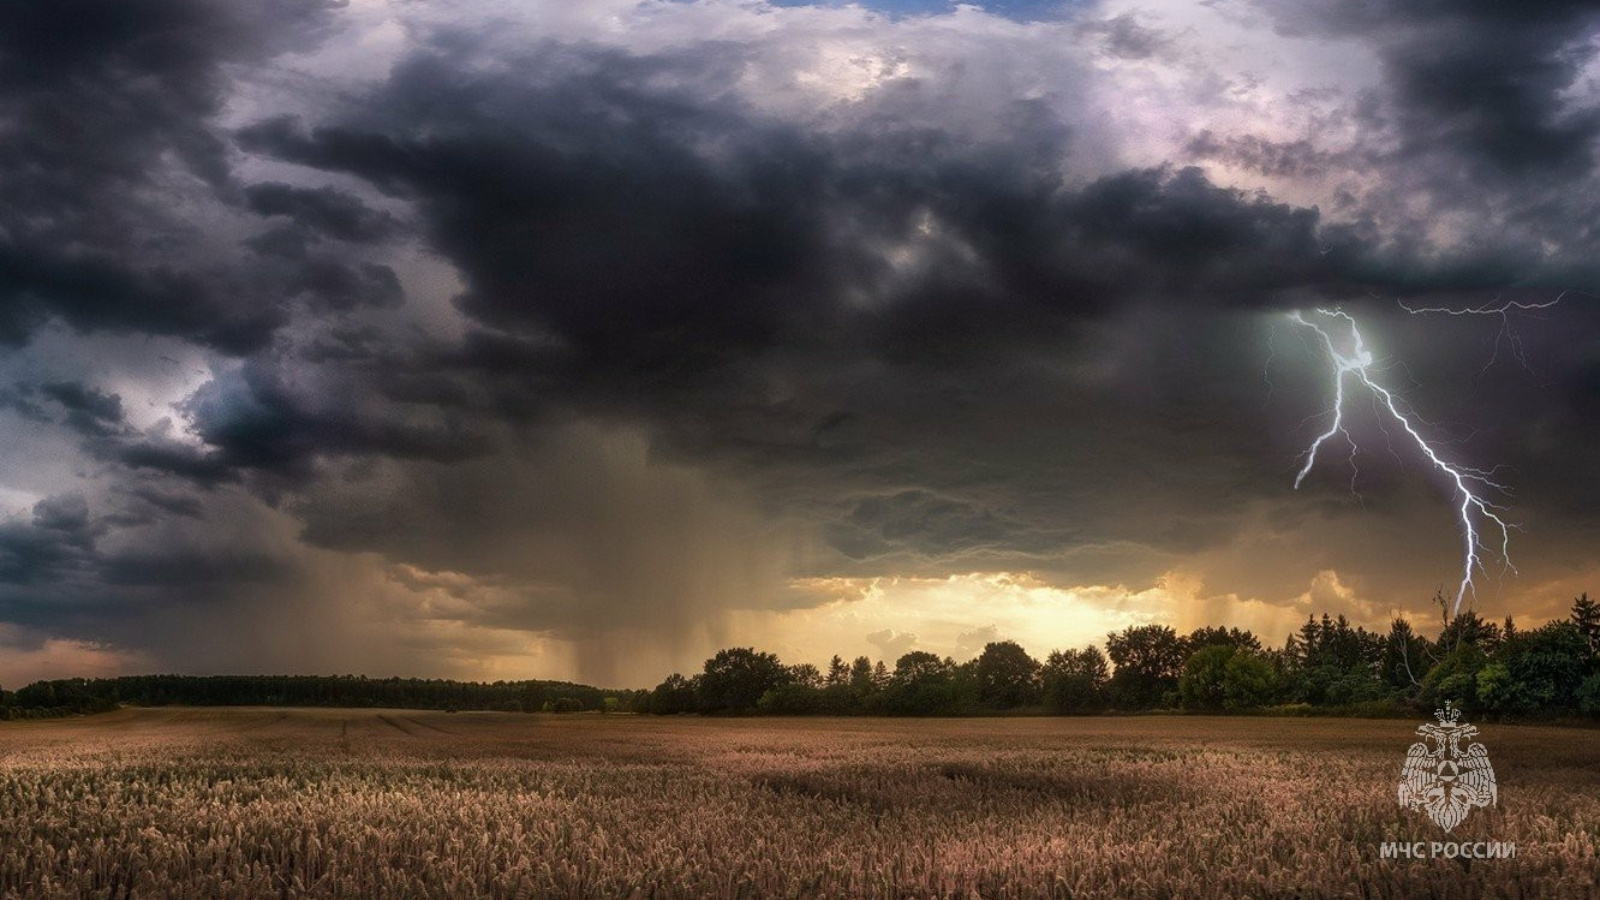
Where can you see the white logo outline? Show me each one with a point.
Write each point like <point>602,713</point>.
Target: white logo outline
<point>1446,780</point>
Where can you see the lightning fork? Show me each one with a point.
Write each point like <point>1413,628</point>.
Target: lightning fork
<point>1506,335</point>
<point>1474,511</point>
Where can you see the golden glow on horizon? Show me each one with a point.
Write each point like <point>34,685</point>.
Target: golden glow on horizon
<point>956,615</point>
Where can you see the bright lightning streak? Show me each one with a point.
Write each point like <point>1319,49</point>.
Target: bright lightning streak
<point>1474,512</point>
<point>1504,311</point>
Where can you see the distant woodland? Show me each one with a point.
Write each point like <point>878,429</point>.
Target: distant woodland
<point>80,695</point>
<point>1327,667</point>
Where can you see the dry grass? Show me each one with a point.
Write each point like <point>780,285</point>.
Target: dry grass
<point>339,803</point>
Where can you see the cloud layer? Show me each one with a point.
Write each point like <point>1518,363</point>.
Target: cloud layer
<point>572,340</point>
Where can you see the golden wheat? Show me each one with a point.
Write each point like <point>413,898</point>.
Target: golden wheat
<point>378,804</point>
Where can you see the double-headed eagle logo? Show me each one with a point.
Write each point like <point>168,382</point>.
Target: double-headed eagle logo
<point>1443,778</point>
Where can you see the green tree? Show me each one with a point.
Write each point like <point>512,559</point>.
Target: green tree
<point>1405,657</point>
<point>675,695</point>
<point>1200,685</point>
<point>1249,681</point>
<point>1007,676</point>
<point>1336,663</point>
<point>922,685</point>
<point>807,675</point>
<point>838,672</point>
<point>837,697</point>
<point>1538,671</point>
<point>1586,617</point>
<point>965,680</point>
<point>1217,636</point>
<point>1454,678</point>
<point>920,665</point>
<point>1589,695</point>
<point>1468,628</point>
<point>792,699</point>
<point>40,694</point>
<point>1075,680</point>
<point>861,677</point>
<point>1148,660</point>
<point>735,679</point>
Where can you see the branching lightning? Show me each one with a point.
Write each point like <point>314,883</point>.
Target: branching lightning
<point>1507,335</point>
<point>1475,512</point>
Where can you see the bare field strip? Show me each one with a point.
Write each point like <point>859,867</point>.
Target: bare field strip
<point>251,803</point>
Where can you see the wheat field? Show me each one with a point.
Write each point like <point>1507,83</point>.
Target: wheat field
<point>221,803</point>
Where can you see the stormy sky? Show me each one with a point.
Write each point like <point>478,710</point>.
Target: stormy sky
<point>576,339</point>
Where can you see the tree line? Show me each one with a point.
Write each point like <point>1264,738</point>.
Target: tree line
<point>1328,665</point>
<point>82,695</point>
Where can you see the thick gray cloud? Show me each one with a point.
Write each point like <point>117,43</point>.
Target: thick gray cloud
<point>1484,81</point>
<point>323,211</point>
<point>105,106</point>
<point>549,338</point>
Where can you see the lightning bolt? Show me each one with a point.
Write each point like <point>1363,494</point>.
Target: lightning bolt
<point>1475,513</point>
<point>1507,335</point>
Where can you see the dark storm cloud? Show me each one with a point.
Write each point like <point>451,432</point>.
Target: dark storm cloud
<point>332,285</point>
<point>644,251</point>
<point>128,79</point>
<point>252,423</point>
<point>174,458</point>
<point>188,568</point>
<point>564,200</point>
<point>89,412</point>
<point>58,542</point>
<point>690,330</point>
<point>20,399</point>
<point>255,419</point>
<point>95,97</point>
<point>80,398</point>
<point>617,266</point>
<point>596,176</point>
<point>1483,81</point>
<point>95,291</point>
<point>326,211</point>
<point>918,520</point>
<point>170,501</point>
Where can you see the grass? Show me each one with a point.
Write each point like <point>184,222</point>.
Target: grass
<point>222,803</point>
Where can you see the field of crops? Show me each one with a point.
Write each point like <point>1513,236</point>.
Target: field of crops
<point>343,803</point>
